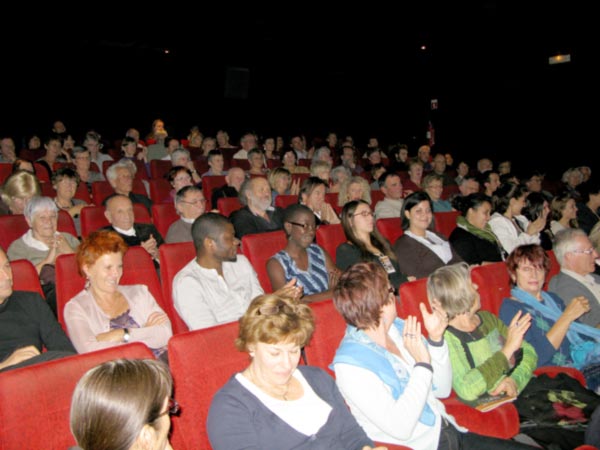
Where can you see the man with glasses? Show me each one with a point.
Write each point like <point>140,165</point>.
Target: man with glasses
<point>189,204</point>
<point>577,258</point>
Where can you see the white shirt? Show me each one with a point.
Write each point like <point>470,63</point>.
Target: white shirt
<point>203,298</point>
<point>388,208</point>
<point>587,280</point>
<point>434,243</point>
<point>508,235</point>
<point>240,154</point>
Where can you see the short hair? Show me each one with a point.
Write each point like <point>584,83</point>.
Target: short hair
<point>113,402</point>
<point>571,171</point>
<point>564,242</point>
<point>505,193</point>
<point>533,253</point>
<point>277,173</point>
<point>65,172</point>
<point>247,187</point>
<point>37,204</point>
<point>271,319</point>
<point>534,206</point>
<point>97,244</point>
<point>20,184</point>
<point>337,171</point>
<point>16,166</point>
<point>111,172</point>
<point>254,151</point>
<point>318,166</point>
<point>127,140</point>
<point>472,201</point>
<point>173,171</point>
<point>208,225</point>
<point>449,285</point>
<point>291,212</point>
<point>410,202</point>
<point>319,152</point>
<point>384,177</point>
<point>309,185</point>
<point>345,190</point>
<point>430,178</point>
<point>361,292</point>
<point>178,153</point>
<point>213,153</point>
<point>180,195</point>
<point>78,149</point>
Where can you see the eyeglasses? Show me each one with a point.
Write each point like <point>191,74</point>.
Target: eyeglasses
<point>304,226</point>
<point>589,251</point>
<point>173,408</point>
<point>364,214</point>
<point>531,269</point>
<point>202,201</point>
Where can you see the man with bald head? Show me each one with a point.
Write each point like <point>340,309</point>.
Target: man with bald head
<point>257,216</point>
<point>27,325</point>
<point>119,212</point>
<point>234,179</point>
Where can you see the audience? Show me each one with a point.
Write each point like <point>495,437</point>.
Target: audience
<point>257,215</point>
<point>189,204</point>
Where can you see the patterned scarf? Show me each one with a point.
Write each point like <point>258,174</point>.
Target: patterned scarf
<point>485,233</point>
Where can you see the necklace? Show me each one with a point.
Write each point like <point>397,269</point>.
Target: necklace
<point>267,389</point>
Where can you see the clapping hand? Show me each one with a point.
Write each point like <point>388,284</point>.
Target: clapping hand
<point>435,322</point>
<point>413,341</point>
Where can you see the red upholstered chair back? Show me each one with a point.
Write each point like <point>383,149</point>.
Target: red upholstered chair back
<point>329,331</point>
<point>36,400</point>
<point>172,259</point>
<point>159,168</point>
<point>390,228</point>
<point>201,362</point>
<point>210,183</point>
<point>228,205</point>
<point>138,268</point>
<point>25,277</point>
<point>554,268</point>
<point>330,237</point>
<point>65,223</point>
<point>411,294</point>
<point>92,218</point>
<point>5,171</point>
<point>163,215</point>
<point>284,200</point>
<point>13,226</point>
<point>376,197</point>
<point>103,189</point>
<point>258,248</point>
<point>445,222</point>
<point>160,190</point>
<point>493,282</point>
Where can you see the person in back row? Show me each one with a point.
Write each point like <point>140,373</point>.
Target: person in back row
<point>257,216</point>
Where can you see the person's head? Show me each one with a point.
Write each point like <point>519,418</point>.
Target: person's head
<point>7,149</point>
<point>214,236</point>
<point>527,266</point>
<point>424,153</point>
<point>222,139</point>
<point>322,154</point>
<point>320,169</point>
<point>120,176</point>
<point>468,185</point>
<point>504,167</point>
<point>179,177</point>
<point>299,225</point>
<point>269,145</point>
<point>34,142</point>
<point>216,162</point>
<point>171,144</point>
<point>356,188</point>
<point>297,143</point>
<point>100,260</point>
<point>65,181</point>
<point>59,127</point>
<point>248,141</point>
<point>339,175</point>
<point>92,143</point>
<point>53,146</point>
<point>376,171</point>
<point>450,288</point>
<point>208,144</point>
<point>533,181</point>
<point>123,404</point>
<point>332,140</point>
<point>280,180</point>
<point>41,214</point>
<point>417,212</point>
<point>312,193</point>
<point>433,184</point>
<point>536,205</point>
<point>256,159</point>
<point>289,158</point>
<point>415,170</point>
<point>158,129</point>
<point>574,251</point>
<point>348,155</point>
<point>402,154</point>
<point>364,297</point>
<point>235,178</point>
<point>357,219</point>
<point>256,193</point>
<point>190,202</point>
<point>572,177</point>
<point>475,208</point>
<point>134,134</point>
<point>81,159</point>
<point>462,169</point>
<point>6,277</point>
<point>119,211</point>
<point>439,164</point>
<point>273,331</point>
<point>18,190</point>
<point>590,194</point>
<point>509,198</point>
<point>23,164</point>
<point>563,207</point>
<point>180,157</point>
<point>490,181</point>
<point>484,164</point>
<point>129,147</point>
<point>391,185</point>
<point>374,155</point>
<point>586,172</point>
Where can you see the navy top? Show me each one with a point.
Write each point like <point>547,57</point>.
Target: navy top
<point>314,280</point>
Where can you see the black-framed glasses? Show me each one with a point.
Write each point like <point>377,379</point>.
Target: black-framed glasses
<point>173,408</point>
<point>304,226</point>
<point>202,201</point>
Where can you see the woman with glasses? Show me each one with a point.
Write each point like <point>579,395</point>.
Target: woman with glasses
<point>178,177</point>
<point>365,243</point>
<point>312,194</point>
<point>420,250</point>
<point>301,258</point>
<point>556,334</point>
<point>124,404</point>
<point>275,403</point>
<point>189,204</point>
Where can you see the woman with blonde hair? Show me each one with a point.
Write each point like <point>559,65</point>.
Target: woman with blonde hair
<point>356,188</point>
<point>18,190</point>
<point>564,213</point>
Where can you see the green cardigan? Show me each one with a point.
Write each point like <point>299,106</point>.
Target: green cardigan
<point>491,366</point>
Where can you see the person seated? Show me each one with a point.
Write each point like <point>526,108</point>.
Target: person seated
<point>389,375</point>
<point>289,161</point>
<point>257,215</point>
<point>558,338</point>
<point>82,161</point>
<point>275,403</point>
<point>576,256</point>
<point>490,180</point>
<point>181,157</point>
<point>439,166</point>
<point>564,213</point>
<point>302,259</point>
<point>433,185</point>
<point>473,238</point>
<point>415,175</point>
<point>234,179</point>
<point>120,176</point>
<point>105,314</point>
<point>178,177</point>
<point>589,206</point>
<point>17,191</point>
<point>189,204</point>
<point>356,188</point>
<point>119,213</point>
<point>536,206</point>
<point>487,356</point>
<point>27,326</point>
<point>281,183</point>
<point>123,404</point>
<point>321,169</point>
<point>365,243</point>
<point>338,176</point>
<point>348,159</point>
<point>510,227</point>
<point>23,165</point>
<point>216,162</point>
<point>391,205</point>
<point>419,251</point>
<point>7,150</point>
<point>54,153</point>
<point>247,143</point>
<point>256,160</point>
<point>42,243</point>
<point>312,195</point>
<point>65,181</point>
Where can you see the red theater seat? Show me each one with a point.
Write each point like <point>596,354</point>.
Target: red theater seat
<point>329,331</point>
<point>258,248</point>
<point>93,218</point>
<point>390,228</point>
<point>329,237</point>
<point>163,216</point>
<point>445,222</point>
<point>25,276</point>
<point>493,283</point>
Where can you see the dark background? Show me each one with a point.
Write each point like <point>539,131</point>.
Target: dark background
<point>279,70</point>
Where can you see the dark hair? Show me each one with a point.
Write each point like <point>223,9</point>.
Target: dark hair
<point>505,193</point>
<point>208,225</point>
<point>533,253</point>
<point>534,205</point>
<point>384,176</point>
<point>65,172</point>
<point>309,185</point>
<point>173,171</point>
<point>292,211</point>
<point>377,240</point>
<point>590,187</point>
<point>471,201</point>
<point>213,153</point>
<point>361,292</point>
<point>410,202</point>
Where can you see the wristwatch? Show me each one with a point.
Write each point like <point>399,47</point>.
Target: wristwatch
<point>126,335</point>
